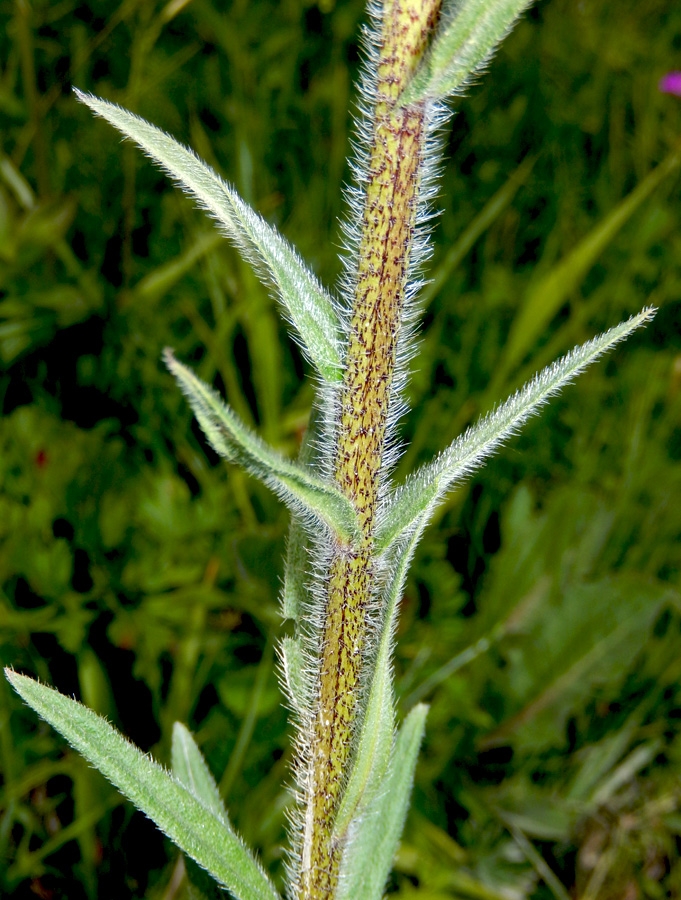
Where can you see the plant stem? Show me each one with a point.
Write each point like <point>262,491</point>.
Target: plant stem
<point>387,231</point>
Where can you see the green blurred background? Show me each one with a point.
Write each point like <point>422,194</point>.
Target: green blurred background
<point>139,574</point>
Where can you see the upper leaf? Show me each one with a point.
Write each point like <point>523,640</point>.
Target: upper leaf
<point>188,823</point>
<point>308,306</point>
<point>299,487</point>
<point>465,40</point>
<point>422,492</point>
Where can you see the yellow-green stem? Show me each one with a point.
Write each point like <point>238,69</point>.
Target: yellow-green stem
<point>387,230</point>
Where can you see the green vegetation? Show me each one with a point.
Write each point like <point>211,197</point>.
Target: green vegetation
<point>541,619</point>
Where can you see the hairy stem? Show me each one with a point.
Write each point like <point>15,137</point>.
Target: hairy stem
<point>387,230</point>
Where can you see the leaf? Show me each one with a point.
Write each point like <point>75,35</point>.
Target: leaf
<point>421,493</point>
<point>299,488</point>
<point>186,821</point>
<point>293,671</point>
<point>191,770</point>
<point>465,41</point>
<point>373,842</point>
<point>373,750</point>
<point>308,306</point>
<point>295,571</point>
<point>375,738</point>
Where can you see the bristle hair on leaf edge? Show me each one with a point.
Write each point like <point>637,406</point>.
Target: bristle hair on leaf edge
<point>271,255</point>
<point>245,877</point>
<point>469,451</point>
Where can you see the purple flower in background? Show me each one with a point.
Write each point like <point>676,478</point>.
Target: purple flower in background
<point>671,83</point>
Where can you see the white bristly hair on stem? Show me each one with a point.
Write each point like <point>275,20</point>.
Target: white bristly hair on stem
<point>353,534</point>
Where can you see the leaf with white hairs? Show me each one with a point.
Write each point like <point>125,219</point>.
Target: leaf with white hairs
<point>419,496</point>
<point>198,829</point>
<point>308,306</point>
<point>373,844</point>
<point>464,42</point>
<point>303,491</point>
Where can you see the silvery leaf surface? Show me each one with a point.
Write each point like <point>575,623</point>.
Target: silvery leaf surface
<point>303,491</point>
<point>421,493</point>
<point>375,837</point>
<point>464,42</point>
<point>195,829</point>
<point>307,305</point>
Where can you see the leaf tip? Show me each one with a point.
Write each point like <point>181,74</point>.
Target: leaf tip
<point>180,733</point>
<point>86,98</point>
<point>170,360</point>
<point>419,712</point>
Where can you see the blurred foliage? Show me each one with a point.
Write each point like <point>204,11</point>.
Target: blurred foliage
<point>543,614</point>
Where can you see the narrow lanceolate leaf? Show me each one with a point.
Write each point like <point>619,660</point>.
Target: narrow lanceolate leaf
<point>297,564</point>
<point>376,733</point>
<point>296,568</point>
<point>465,40</point>
<point>373,750</point>
<point>293,672</point>
<point>301,489</point>
<point>421,493</point>
<point>308,306</point>
<point>374,840</point>
<point>202,835</point>
<point>191,770</point>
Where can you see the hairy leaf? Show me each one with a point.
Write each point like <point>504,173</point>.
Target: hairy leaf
<point>464,42</point>
<point>308,306</point>
<point>374,839</point>
<point>299,488</point>
<point>191,770</point>
<point>188,823</point>
<point>421,493</point>
<point>292,668</point>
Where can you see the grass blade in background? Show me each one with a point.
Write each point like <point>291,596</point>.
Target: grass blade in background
<point>547,296</point>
